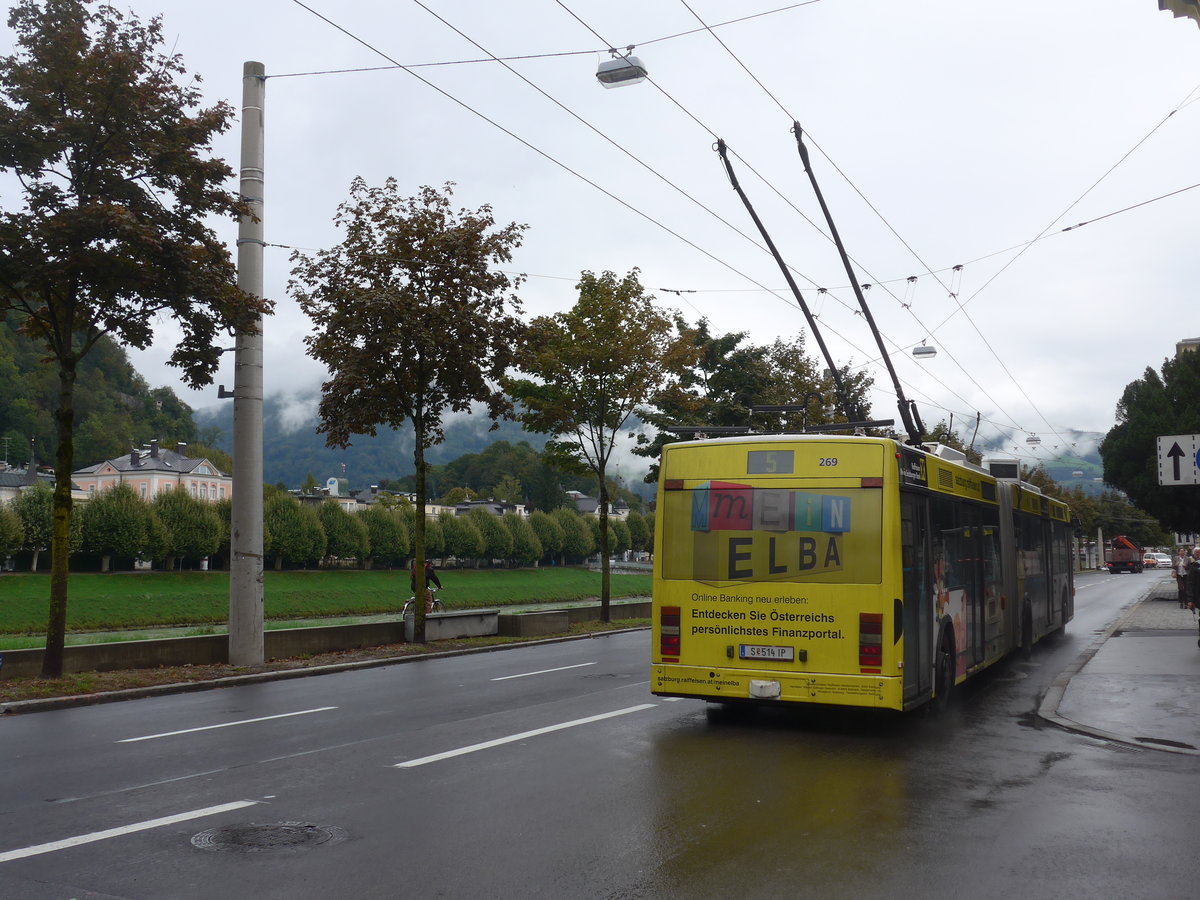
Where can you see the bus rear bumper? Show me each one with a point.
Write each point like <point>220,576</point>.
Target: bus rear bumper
<point>724,684</point>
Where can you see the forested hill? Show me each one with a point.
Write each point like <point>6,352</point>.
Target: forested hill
<point>114,406</point>
<point>292,449</point>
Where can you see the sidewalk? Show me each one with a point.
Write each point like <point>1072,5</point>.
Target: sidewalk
<point>1139,683</point>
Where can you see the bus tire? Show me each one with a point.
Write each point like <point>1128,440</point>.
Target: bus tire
<point>1062,625</point>
<point>1027,629</point>
<point>943,672</point>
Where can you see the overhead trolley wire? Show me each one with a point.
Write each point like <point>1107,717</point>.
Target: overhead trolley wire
<point>766,181</point>
<point>882,218</point>
<point>556,55</point>
<point>548,157</point>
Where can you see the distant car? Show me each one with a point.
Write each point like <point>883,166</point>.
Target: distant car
<point>1149,561</point>
<point>1163,560</point>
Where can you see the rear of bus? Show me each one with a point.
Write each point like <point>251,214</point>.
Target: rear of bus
<point>771,583</point>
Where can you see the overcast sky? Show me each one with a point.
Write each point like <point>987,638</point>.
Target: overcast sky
<point>943,134</point>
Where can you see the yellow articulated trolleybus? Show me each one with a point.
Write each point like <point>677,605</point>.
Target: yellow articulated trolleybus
<point>847,570</point>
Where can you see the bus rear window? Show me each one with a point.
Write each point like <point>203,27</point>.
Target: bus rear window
<point>719,531</point>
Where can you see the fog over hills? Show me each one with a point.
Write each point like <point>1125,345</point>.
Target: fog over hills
<point>292,449</point>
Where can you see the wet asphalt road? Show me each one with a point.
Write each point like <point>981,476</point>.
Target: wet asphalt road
<point>550,771</point>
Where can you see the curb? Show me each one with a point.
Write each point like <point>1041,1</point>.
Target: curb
<point>16,707</point>
<point>1048,709</point>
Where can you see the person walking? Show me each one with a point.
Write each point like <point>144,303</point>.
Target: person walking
<point>1181,567</point>
<point>1193,580</point>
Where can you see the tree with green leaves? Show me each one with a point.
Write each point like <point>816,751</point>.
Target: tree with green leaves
<point>549,534</point>
<point>463,538</point>
<point>620,541</point>
<point>727,376</point>
<point>285,530</point>
<point>114,525</point>
<point>497,540</point>
<point>590,369</point>
<point>109,232</point>
<point>345,535</point>
<point>578,543</point>
<point>1156,404</point>
<point>413,319</point>
<point>194,527</point>
<point>11,535</point>
<point>527,549</point>
<point>386,534</point>
<point>35,507</point>
<point>640,538</point>
<point>508,490</point>
<point>457,495</point>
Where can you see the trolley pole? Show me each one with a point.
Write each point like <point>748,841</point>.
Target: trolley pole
<point>246,531</point>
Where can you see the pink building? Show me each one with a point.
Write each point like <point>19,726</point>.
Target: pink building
<point>152,470</point>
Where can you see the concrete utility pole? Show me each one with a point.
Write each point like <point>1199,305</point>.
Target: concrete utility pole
<point>246,538</point>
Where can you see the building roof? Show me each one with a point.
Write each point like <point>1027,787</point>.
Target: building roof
<point>150,459</point>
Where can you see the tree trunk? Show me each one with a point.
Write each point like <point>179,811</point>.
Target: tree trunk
<point>105,563</point>
<point>605,574</point>
<point>60,540</point>
<point>34,562</point>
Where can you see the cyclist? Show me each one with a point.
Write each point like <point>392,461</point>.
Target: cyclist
<point>430,578</point>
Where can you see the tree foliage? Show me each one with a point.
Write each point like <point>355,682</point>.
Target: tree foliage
<point>590,369</point>
<point>549,534</point>
<point>346,536</point>
<point>578,543</point>
<point>1156,404</point>
<point>463,538</point>
<point>288,537</point>
<point>193,527</point>
<point>387,535</point>
<point>526,548</point>
<point>110,233</point>
<point>11,534</point>
<point>640,538</point>
<point>728,375</point>
<point>412,319</point>
<point>114,524</point>
<point>497,540</point>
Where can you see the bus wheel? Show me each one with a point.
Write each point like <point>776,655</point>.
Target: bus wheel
<point>943,675</point>
<point>1062,625</point>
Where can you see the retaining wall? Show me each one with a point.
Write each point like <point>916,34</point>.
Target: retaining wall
<point>289,642</point>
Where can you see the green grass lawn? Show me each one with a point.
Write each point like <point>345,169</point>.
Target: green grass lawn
<point>157,599</point>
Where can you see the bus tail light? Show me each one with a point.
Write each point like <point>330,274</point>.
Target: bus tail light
<point>668,633</point>
<point>870,642</point>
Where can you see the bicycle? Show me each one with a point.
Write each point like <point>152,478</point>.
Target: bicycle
<point>432,602</point>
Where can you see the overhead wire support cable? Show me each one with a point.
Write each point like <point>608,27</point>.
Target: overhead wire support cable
<point>908,410</point>
<point>535,149</point>
<point>851,413</point>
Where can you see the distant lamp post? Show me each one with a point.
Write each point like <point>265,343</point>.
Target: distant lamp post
<point>621,70</point>
<point>1033,440</point>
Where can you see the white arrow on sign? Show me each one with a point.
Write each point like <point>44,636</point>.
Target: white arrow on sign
<point>1177,461</point>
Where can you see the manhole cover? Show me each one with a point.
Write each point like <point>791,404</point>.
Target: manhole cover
<point>277,836</point>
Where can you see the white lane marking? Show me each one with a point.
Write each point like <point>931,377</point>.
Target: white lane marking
<point>543,671</point>
<point>124,829</point>
<point>486,745</point>
<point>150,737</point>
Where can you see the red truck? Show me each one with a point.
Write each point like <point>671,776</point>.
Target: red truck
<point>1122,555</point>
